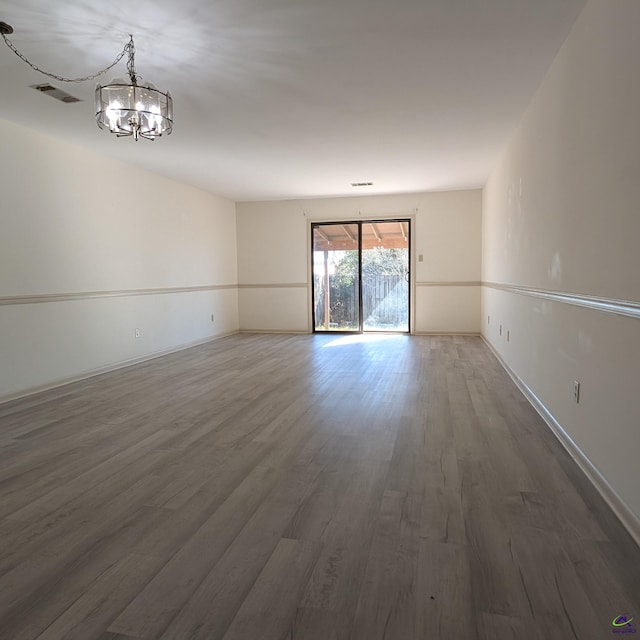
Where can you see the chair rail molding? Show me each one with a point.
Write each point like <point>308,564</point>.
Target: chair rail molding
<point>616,306</point>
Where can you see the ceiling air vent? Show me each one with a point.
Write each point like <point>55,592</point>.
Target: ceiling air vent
<point>56,93</point>
<point>362,184</point>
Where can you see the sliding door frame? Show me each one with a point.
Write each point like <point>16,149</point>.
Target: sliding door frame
<point>409,219</point>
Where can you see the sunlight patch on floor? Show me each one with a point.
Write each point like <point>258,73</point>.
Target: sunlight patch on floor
<point>360,338</point>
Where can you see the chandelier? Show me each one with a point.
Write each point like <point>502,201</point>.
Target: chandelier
<point>136,108</point>
<point>127,108</point>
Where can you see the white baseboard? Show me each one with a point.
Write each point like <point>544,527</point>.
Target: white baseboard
<point>627,517</point>
<point>111,367</point>
<point>445,333</point>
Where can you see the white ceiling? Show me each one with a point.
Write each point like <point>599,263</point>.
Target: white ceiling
<point>279,99</point>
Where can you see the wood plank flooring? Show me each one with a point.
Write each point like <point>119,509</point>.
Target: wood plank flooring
<point>302,487</point>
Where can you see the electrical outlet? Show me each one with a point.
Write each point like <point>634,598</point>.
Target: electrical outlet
<point>137,333</point>
<point>576,391</point>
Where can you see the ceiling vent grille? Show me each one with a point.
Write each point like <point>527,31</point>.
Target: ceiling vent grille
<point>56,93</point>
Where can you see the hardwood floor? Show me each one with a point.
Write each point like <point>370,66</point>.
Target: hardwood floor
<point>302,487</point>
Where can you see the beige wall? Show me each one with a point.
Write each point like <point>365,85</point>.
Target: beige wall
<point>561,215</point>
<point>274,257</point>
<point>73,223</point>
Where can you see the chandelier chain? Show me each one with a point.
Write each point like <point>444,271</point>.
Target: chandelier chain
<point>128,49</point>
<point>131,65</point>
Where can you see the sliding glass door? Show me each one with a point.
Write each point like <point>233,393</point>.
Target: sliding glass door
<point>336,277</point>
<point>361,276</point>
<point>385,276</point>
